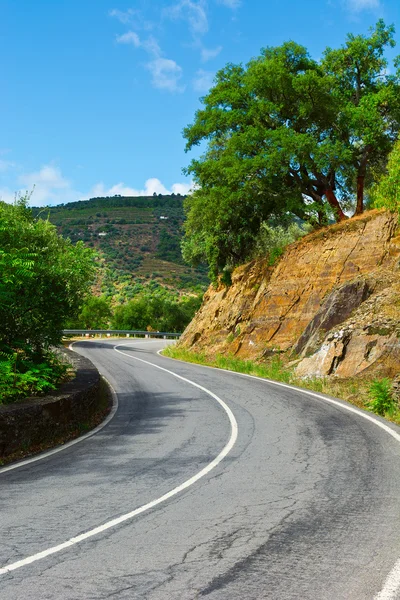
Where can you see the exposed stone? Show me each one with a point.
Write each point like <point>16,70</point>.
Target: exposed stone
<point>346,276</point>
<point>396,389</point>
<point>335,310</point>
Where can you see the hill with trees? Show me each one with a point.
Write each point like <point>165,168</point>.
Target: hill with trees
<point>138,242</point>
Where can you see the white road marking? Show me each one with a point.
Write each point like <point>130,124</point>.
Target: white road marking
<point>126,517</point>
<point>391,588</point>
<point>81,438</point>
<point>392,585</point>
<point>342,404</point>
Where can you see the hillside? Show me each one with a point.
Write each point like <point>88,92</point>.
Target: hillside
<point>331,305</point>
<point>138,240</point>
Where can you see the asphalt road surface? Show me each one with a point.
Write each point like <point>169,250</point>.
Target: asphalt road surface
<point>253,491</point>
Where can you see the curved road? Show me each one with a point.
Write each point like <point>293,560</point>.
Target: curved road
<point>305,504</point>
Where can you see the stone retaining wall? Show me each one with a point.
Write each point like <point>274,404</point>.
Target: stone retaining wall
<point>38,423</point>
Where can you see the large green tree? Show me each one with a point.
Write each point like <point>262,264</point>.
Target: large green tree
<point>288,135</point>
<point>43,279</point>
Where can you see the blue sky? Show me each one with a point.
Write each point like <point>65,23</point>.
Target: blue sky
<point>95,93</point>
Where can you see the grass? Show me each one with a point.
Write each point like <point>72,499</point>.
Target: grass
<point>358,391</point>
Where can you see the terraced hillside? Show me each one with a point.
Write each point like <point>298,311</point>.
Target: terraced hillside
<point>138,240</point>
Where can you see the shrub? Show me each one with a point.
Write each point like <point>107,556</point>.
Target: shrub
<point>272,241</point>
<point>21,376</point>
<point>382,400</point>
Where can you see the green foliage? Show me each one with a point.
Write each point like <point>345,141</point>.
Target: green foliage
<point>95,314</point>
<point>381,395</point>
<point>169,247</point>
<point>137,241</point>
<point>159,312</point>
<point>288,135</point>
<point>387,193</point>
<point>272,241</point>
<point>43,279</point>
<point>274,369</point>
<point>22,375</point>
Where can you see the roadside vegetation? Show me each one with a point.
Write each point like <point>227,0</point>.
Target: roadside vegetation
<point>152,309</point>
<point>44,279</point>
<point>375,395</point>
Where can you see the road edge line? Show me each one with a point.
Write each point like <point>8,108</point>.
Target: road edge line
<point>145,507</point>
<point>391,584</point>
<point>81,438</point>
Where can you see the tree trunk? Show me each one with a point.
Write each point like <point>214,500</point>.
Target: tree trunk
<point>333,202</point>
<point>360,195</point>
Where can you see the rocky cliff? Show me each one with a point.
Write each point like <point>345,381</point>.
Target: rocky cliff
<point>332,303</point>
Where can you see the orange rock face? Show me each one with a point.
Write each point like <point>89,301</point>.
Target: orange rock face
<point>267,309</point>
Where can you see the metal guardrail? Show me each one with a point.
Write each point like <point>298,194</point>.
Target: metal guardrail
<point>126,332</point>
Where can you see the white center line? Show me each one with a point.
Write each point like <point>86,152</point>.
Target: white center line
<point>137,511</point>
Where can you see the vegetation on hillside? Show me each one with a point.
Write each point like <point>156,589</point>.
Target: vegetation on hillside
<point>288,136</point>
<point>43,281</point>
<point>138,240</point>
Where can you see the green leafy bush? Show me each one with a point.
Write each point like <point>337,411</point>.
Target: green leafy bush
<point>44,279</point>
<point>381,395</point>
<point>272,241</point>
<point>22,376</point>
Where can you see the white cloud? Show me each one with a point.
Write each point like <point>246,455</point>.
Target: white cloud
<point>151,46</point>
<point>182,188</point>
<point>151,186</point>
<point>51,187</point>
<point>6,165</point>
<point>210,53</point>
<point>123,16</point>
<point>166,74</point>
<point>6,195</point>
<point>193,12</point>
<point>230,3</point>
<point>48,185</point>
<point>130,37</point>
<point>360,5</point>
<point>203,80</point>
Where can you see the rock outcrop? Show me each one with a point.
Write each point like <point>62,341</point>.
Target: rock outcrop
<point>332,302</point>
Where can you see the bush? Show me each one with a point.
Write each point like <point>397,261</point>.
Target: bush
<point>381,395</point>
<point>21,376</point>
<point>272,241</point>
<point>43,279</point>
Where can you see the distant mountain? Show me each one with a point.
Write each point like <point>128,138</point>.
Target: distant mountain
<point>138,240</point>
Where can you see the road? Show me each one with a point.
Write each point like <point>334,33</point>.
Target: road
<point>253,491</point>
